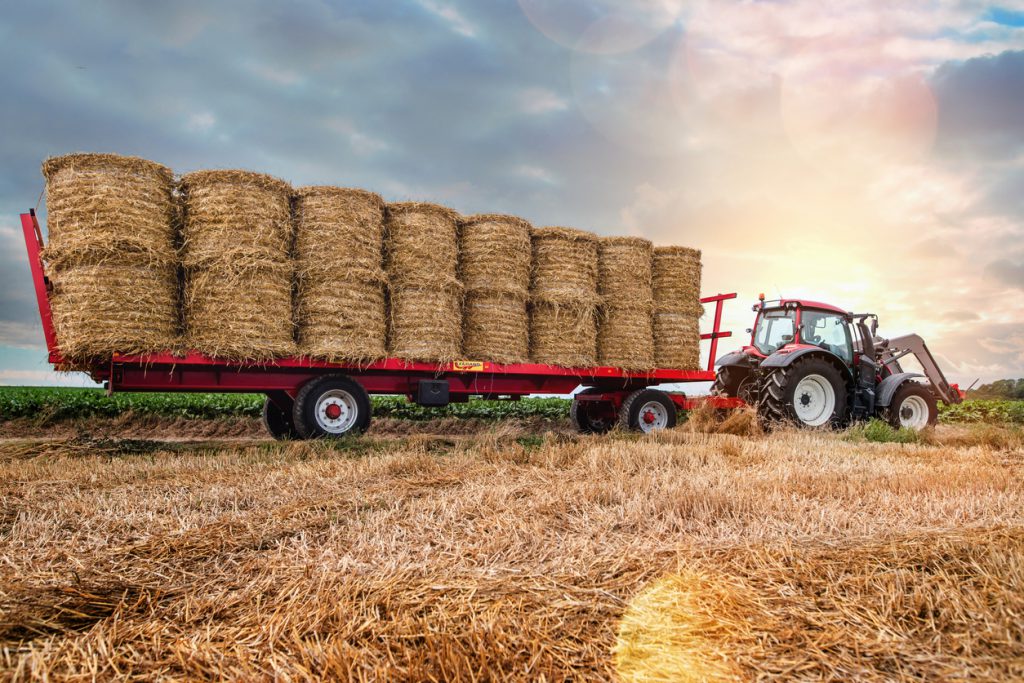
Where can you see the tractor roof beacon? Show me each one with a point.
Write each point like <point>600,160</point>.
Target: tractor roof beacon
<point>816,365</point>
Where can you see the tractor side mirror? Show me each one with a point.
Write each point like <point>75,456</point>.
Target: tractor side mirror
<point>750,330</point>
<point>787,337</point>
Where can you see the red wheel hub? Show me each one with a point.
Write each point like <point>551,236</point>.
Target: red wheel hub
<point>333,411</point>
<point>649,416</point>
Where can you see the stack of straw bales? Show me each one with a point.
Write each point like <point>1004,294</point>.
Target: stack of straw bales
<point>422,258</point>
<point>236,245</point>
<point>563,297</point>
<point>340,310</point>
<point>495,270</point>
<point>111,255</point>
<point>677,307</point>
<point>625,337</point>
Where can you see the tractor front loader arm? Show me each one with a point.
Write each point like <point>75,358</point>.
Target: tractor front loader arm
<point>912,344</point>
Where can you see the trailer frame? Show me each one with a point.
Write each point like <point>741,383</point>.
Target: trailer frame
<point>282,378</point>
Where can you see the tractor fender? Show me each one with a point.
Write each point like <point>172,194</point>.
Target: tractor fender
<point>786,358</point>
<point>886,389</point>
<point>734,358</point>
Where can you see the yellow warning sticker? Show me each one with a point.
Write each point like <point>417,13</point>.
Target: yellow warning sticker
<point>468,365</point>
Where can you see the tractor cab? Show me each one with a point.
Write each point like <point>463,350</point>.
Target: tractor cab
<point>791,325</point>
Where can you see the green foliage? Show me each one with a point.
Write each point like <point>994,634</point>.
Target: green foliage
<point>1003,388</point>
<point>55,404</point>
<point>983,410</point>
<point>880,431</point>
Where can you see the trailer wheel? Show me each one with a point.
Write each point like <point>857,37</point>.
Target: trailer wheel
<point>278,421</point>
<point>331,406</point>
<point>647,410</point>
<point>587,418</point>
<point>913,406</point>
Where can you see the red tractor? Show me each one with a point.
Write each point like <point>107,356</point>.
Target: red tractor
<point>815,365</point>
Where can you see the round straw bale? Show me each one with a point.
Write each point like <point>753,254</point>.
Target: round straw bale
<point>236,217</point>
<point>341,318</point>
<point>676,280</point>
<point>425,324</point>
<point>103,206</point>
<point>240,313</point>
<point>625,338</point>
<point>340,227</point>
<point>495,254</point>
<point>421,245</point>
<point>105,308</point>
<point>564,266</point>
<point>677,340</point>
<point>496,327</point>
<point>624,272</point>
<point>563,334</point>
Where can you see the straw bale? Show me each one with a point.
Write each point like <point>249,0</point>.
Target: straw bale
<point>100,309</point>
<point>236,217</point>
<point>105,206</point>
<point>238,312</point>
<point>496,327</point>
<point>676,280</point>
<point>339,227</point>
<point>425,323</point>
<point>421,245</point>
<point>677,340</point>
<point>495,254</point>
<point>563,334</point>
<point>564,266</point>
<point>341,318</point>
<point>625,338</point>
<point>624,272</point>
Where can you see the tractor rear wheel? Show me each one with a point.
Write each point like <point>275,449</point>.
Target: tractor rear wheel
<point>808,393</point>
<point>734,383</point>
<point>647,410</point>
<point>587,417</point>
<point>913,406</point>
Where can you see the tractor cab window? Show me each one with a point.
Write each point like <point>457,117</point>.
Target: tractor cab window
<point>775,329</point>
<point>827,330</point>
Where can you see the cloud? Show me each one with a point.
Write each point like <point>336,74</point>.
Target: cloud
<point>541,101</point>
<point>1007,273</point>
<point>981,109</point>
<point>10,377</point>
<point>536,173</point>
<point>451,15</point>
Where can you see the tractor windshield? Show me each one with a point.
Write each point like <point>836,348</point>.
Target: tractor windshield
<point>775,328</point>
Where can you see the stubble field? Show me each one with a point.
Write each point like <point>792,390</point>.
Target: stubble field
<point>464,548</point>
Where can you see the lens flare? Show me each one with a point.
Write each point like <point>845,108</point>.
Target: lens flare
<point>602,26</point>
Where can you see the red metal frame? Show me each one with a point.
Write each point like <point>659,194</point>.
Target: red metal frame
<point>198,372</point>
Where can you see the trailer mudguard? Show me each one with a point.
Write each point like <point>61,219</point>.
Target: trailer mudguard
<point>786,358</point>
<point>886,389</point>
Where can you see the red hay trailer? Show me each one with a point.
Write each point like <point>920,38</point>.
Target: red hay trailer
<point>307,398</point>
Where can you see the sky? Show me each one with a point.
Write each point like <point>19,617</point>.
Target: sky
<point>865,153</point>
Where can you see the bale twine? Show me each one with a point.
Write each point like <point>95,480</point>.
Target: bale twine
<point>495,255</point>
<point>105,206</point>
<point>564,266</point>
<point>238,312</point>
<point>625,336</point>
<point>676,285</point>
<point>340,303</point>
<point>421,245</point>
<point>425,324</point>
<point>105,308</point>
<point>236,217</point>
<point>496,327</point>
<point>563,334</point>
<point>238,272</point>
<point>111,255</point>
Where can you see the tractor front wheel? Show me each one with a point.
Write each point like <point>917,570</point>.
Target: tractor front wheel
<point>733,382</point>
<point>808,393</point>
<point>913,406</point>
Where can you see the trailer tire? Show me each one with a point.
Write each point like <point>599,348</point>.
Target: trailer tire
<point>913,406</point>
<point>278,421</point>
<point>647,410</point>
<point>581,413</point>
<point>330,407</point>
